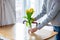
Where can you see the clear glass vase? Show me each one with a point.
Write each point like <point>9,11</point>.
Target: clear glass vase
<point>27,35</point>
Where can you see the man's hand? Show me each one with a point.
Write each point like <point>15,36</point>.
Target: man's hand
<point>33,30</point>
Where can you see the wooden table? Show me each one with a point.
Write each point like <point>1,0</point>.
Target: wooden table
<point>7,31</point>
<point>39,35</point>
<point>17,32</point>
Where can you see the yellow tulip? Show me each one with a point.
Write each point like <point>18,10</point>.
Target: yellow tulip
<point>31,10</point>
<point>27,11</point>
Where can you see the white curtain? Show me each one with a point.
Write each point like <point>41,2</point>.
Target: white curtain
<point>22,5</point>
<point>7,12</point>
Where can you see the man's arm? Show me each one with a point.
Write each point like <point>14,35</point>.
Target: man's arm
<point>53,12</point>
<point>43,11</point>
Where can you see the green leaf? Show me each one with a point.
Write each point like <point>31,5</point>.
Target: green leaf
<point>27,24</point>
<point>32,19</point>
<point>25,17</point>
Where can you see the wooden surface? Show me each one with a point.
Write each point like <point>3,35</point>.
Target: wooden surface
<point>9,32</point>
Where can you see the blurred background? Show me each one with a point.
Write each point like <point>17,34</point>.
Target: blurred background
<point>22,5</point>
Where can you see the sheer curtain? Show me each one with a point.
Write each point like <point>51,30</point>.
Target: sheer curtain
<point>22,5</point>
<point>7,12</point>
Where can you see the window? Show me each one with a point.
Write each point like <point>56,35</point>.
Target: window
<point>22,5</point>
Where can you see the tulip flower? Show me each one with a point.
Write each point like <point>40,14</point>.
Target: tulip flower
<point>29,20</point>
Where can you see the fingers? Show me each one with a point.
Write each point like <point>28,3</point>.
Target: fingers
<point>34,22</point>
<point>29,31</point>
<point>32,30</point>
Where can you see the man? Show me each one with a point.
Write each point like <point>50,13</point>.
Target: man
<point>51,9</point>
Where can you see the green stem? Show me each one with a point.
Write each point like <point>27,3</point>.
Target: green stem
<point>29,23</point>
